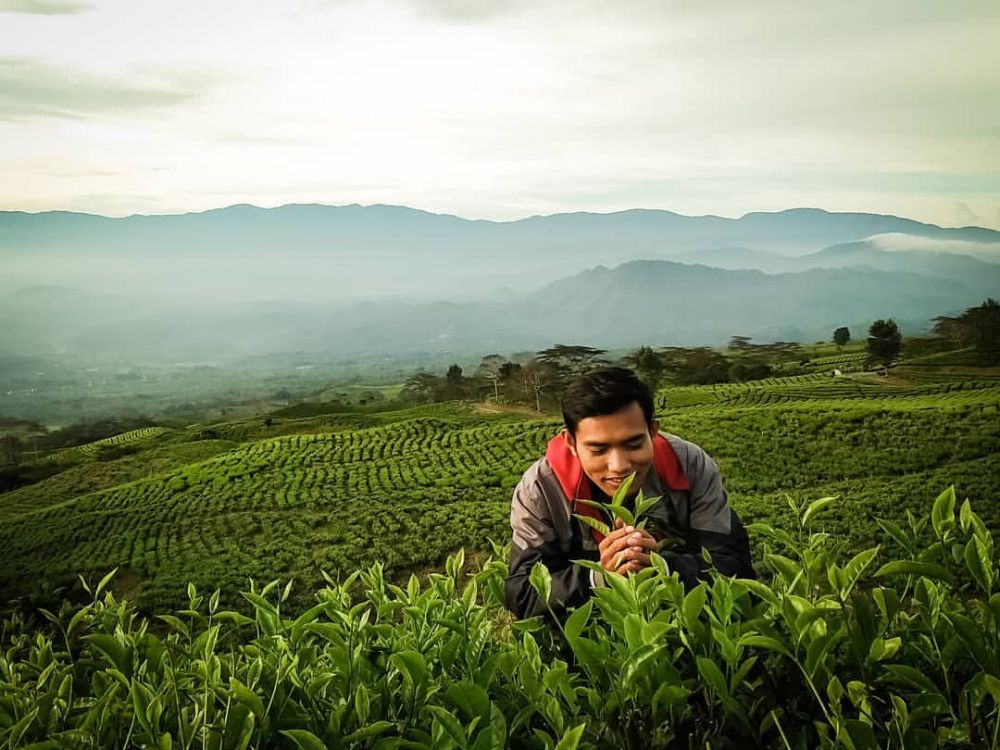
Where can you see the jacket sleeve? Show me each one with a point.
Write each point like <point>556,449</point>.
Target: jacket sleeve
<point>534,540</point>
<point>714,527</point>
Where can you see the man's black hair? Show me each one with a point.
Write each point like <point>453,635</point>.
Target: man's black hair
<point>604,391</point>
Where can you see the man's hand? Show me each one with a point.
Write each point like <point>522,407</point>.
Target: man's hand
<point>626,549</point>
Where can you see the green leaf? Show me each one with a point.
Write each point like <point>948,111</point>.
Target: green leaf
<point>104,582</point>
<point>694,603</point>
<point>788,569</point>
<point>713,676</point>
<point>450,724</point>
<point>577,621</point>
<point>596,506</point>
<point>541,580</point>
<point>247,697</point>
<point>590,565</point>
<point>370,730</point>
<point>593,523</point>
<point>943,512</point>
<point>815,507</point>
<point>112,649</point>
<point>977,560</point>
<point>642,504</point>
<point>857,564</point>
<point>15,732</point>
<point>861,734</point>
<point>411,665</point>
<point>571,739</point>
<point>623,513</point>
<point>469,698</point>
<point>912,567</point>
<point>622,492</point>
<point>762,590</point>
<point>907,675</point>
<point>304,739</point>
<point>965,515</point>
<point>633,666</point>
<point>763,641</point>
<point>895,531</point>
<point>141,698</point>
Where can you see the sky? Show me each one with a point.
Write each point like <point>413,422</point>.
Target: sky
<point>500,110</point>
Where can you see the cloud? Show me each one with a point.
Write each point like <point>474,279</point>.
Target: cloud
<point>45,7</point>
<point>898,242</point>
<point>29,88</point>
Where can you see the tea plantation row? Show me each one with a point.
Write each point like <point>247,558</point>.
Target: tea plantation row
<point>409,488</point>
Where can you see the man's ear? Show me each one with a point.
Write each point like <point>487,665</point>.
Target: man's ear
<point>654,427</point>
<point>570,441</point>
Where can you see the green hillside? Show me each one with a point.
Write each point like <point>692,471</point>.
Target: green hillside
<point>293,497</point>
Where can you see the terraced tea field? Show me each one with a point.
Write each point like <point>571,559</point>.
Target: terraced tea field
<point>406,488</point>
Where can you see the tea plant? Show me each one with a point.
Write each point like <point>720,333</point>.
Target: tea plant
<point>838,649</point>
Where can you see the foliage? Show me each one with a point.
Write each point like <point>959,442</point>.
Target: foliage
<point>842,336</point>
<point>840,648</point>
<point>978,327</point>
<point>884,341</point>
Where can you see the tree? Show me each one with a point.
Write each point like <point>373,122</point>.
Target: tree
<point>884,341</point>
<point>704,366</point>
<point>421,387</point>
<point>454,381</point>
<point>648,364</point>
<point>491,369</point>
<point>571,360</point>
<point>978,327</point>
<point>984,321</point>
<point>538,377</point>
<point>842,335</point>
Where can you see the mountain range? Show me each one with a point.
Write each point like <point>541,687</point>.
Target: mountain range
<point>359,280</point>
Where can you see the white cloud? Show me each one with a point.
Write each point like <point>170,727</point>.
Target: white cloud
<point>897,242</point>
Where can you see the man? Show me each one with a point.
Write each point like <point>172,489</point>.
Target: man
<point>609,434</point>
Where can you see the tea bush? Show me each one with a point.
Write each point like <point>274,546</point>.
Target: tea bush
<point>837,648</point>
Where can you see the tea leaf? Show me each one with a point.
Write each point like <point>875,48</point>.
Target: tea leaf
<point>304,739</point>
<point>577,621</point>
<point>815,507</point>
<point>943,511</point>
<point>593,523</point>
<point>247,697</point>
<point>571,739</point>
<point>541,580</point>
<point>623,513</point>
<point>623,489</point>
<point>912,567</point>
<point>371,730</point>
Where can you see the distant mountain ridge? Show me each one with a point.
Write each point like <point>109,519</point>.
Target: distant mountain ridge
<point>360,280</point>
<point>640,302</point>
<point>317,252</point>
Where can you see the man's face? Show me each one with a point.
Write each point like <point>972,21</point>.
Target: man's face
<point>612,446</point>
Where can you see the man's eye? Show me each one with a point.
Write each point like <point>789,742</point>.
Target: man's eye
<point>597,451</point>
<point>634,446</point>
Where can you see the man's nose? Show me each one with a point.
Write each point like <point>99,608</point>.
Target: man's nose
<point>619,463</point>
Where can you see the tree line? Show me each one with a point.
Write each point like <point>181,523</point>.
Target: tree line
<point>538,379</point>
